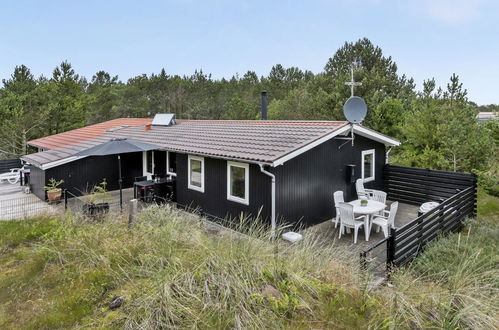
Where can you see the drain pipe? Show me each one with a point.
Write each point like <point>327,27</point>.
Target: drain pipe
<point>387,153</point>
<point>272,176</point>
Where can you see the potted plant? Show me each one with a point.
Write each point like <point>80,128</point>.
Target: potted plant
<point>363,202</point>
<point>53,191</point>
<point>97,200</point>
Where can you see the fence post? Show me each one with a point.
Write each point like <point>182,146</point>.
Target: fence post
<point>65,199</point>
<point>363,261</point>
<point>390,252</point>
<point>475,195</point>
<point>132,212</point>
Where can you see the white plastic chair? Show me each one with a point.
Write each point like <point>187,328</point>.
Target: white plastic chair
<point>379,196</point>
<point>348,220</point>
<point>361,191</point>
<point>386,221</point>
<point>12,176</point>
<point>338,198</point>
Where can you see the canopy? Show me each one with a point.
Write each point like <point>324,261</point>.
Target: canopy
<point>117,146</point>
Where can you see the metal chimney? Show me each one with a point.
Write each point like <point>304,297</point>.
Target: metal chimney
<point>264,105</point>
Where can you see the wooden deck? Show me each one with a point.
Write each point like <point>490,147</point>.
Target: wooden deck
<point>15,204</point>
<point>405,214</point>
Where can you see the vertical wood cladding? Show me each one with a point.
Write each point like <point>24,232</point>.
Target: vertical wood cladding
<point>214,199</point>
<point>37,182</point>
<point>305,184</point>
<point>81,175</point>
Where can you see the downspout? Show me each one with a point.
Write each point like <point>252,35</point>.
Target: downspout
<point>387,153</point>
<point>273,222</point>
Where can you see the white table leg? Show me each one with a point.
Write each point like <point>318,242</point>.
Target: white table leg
<point>367,228</point>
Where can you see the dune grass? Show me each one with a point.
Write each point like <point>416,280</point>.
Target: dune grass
<point>63,272</point>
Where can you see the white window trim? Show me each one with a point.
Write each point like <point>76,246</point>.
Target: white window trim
<point>244,200</point>
<point>201,159</point>
<point>168,165</point>
<point>373,167</point>
<point>144,164</point>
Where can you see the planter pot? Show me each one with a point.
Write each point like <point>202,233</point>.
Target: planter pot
<point>95,209</point>
<point>54,195</point>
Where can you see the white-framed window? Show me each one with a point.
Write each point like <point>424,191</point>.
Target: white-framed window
<point>171,163</point>
<point>148,163</point>
<point>195,173</point>
<point>238,182</point>
<point>367,166</point>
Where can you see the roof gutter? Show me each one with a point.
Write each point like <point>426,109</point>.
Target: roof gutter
<point>273,221</point>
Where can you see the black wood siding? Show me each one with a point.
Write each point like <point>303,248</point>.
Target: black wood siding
<point>81,175</point>
<point>214,199</point>
<point>37,182</point>
<point>305,184</point>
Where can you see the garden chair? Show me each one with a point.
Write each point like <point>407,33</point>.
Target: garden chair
<point>387,220</point>
<point>348,220</point>
<point>12,177</point>
<point>361,191</point>
<point>379,196</point>
<point>338,198</point>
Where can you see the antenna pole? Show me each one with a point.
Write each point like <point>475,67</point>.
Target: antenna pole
<point>352,83</point>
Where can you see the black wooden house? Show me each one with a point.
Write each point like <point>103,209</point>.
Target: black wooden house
<point>279,170</point>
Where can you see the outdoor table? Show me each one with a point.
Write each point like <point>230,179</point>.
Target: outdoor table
<point>371,208</point>
<point>150,184</point>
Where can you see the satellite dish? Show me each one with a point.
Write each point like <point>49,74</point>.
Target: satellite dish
<point>355,110</point>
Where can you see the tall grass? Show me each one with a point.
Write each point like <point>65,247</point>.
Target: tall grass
<point>175,270</point>
<point>453,284</point>
<point>174,273</point>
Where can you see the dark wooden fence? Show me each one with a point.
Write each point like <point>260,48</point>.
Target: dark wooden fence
<point>7,164</point>
<point>456,193</point>
<point>417,185</point>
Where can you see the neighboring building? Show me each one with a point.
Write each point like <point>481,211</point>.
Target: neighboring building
<point>486,116</point>
<point>226,168</point>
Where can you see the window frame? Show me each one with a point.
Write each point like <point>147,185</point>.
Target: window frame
<point>373,165</point>
<point>237,199</point>
<point>189,185</point>
<point>144,164</point>
<point>168,165</point>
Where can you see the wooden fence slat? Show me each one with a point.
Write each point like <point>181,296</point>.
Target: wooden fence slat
<point>416,186</point>
<point>7,164</point>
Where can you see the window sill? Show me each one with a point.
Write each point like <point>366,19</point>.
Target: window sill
<point>238,200</point>
<point>196,188</point>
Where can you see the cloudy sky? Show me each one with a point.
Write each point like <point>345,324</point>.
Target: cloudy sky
<point>426,38</point>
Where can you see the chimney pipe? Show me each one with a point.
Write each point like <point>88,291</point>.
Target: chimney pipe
<point>264,105</point>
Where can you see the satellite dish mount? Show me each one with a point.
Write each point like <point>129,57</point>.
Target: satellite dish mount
<point>355,108</point>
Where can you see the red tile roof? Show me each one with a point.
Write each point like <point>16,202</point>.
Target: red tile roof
<point>250,140</point>
<point>86,133</point>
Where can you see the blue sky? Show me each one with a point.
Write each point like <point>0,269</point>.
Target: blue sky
<point>426,38</point>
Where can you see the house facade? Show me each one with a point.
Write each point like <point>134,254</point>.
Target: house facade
<point>277,170</point>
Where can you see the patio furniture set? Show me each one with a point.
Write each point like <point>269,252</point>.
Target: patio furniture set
<point>159,189</point>
<point>368,210</point>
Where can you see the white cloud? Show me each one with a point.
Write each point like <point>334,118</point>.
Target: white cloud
<point>451,11</point>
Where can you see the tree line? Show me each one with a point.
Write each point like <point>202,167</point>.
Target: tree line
<point>437,125</point>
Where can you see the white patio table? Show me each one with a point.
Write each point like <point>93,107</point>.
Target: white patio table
<point>371,208</point>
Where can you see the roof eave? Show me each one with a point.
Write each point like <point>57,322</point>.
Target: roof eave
<point>376,136</point>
